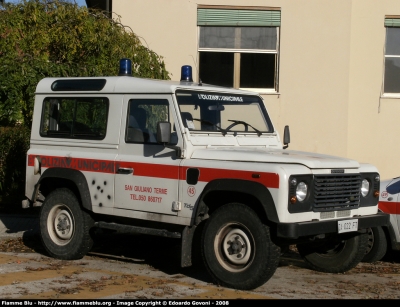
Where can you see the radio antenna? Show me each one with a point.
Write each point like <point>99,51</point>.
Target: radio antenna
<point>197,73</point>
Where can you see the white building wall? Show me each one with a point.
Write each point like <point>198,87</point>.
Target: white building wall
<point>373,121</point>
<point>331,66</point>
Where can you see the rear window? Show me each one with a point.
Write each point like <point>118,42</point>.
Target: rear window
<point>78,85</point>
<point>75,118</point>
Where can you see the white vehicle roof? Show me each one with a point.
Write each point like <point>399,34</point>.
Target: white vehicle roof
<point>127,84</point>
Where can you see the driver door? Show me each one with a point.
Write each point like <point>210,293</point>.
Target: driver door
<point>147,175</point>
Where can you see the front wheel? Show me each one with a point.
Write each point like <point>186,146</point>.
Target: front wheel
<point>377,245</point>
<point>237,248</point>
<point>64,226</point>
<point>336,254</point>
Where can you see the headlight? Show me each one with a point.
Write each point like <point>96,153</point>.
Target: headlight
<point>364,187</point>
<point>369,189</point>
<point>301,195</point>
<point>301,191</point>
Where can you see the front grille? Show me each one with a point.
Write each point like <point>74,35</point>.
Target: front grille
<point>336,192</point>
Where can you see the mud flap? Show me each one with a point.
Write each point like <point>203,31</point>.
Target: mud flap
<point>186,246</point>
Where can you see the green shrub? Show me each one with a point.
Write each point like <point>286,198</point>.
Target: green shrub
<point>41,38</point>
<point>14,144</point>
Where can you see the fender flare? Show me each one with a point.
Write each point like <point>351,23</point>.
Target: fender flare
<point>256,189</point>
<point>73,175</point>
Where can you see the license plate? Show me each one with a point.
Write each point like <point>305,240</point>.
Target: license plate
<point>347,226</point>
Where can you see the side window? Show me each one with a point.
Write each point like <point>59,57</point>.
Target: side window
<point>392,56</point>
<point>77,118</point>
<point>143,116</point>
<point>239,48</point>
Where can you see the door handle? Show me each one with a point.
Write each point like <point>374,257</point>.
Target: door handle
<point>125,170</point>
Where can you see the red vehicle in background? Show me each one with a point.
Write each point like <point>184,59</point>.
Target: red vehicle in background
<point>383,239</point>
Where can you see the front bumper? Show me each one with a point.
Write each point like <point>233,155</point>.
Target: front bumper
<point>296,230</point>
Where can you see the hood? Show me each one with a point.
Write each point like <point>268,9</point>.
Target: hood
<point>267,155</point>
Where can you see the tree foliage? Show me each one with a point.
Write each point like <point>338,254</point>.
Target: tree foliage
<point>14,143</point>
<point>41,38</point>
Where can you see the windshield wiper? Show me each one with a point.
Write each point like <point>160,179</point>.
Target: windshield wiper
<point>240,122</point>
<point>207,122</point>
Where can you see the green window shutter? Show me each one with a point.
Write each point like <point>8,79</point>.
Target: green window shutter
<point>392,22</point>
<point>239,18</point>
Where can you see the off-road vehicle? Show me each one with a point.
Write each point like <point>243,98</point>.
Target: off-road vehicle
<point>186,160</point>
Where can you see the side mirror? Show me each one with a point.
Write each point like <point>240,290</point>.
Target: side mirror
<point>286,137</point>
<point>163,132</point>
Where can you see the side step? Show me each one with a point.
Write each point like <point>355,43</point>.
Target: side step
<point>136,229</point>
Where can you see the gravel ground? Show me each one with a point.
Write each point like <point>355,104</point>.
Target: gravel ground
<point>123,266</point>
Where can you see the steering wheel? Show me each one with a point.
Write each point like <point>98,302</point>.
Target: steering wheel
<point>246,126</point>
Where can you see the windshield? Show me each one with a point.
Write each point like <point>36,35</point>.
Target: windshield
<point>223,112</point>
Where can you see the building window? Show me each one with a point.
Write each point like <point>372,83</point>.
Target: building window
<point>392,56</point>
<point>239,48</point>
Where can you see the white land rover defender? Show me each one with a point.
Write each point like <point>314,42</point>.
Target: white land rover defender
<point>178,158</point>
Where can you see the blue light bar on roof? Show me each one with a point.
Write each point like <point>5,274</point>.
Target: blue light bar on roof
<point>186,73</point>
<point>125,67</point>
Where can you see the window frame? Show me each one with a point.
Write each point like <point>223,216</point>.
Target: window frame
<point>204,103</point>
<point>238,51</point>
<point>140,102</point>
<point>390,22</point>
<point>59,134</point>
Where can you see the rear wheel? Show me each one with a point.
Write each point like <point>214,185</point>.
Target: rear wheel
<point>64,226</point>
<point>237,249</point>
<point>377,245</point>
<point>336,254</point>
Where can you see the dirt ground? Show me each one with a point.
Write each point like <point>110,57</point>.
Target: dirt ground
<point>144,267</point>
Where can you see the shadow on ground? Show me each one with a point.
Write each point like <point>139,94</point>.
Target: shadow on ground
<point>160,253</point>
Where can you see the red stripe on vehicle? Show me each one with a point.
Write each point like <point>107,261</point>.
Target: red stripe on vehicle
<point>88,165</point>
<point>152,170</point>
<point>270,180</point>
<point>390,207</point>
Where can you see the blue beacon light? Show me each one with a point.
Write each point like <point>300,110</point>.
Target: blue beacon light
<point>186,73</point>
<point>125,67</point>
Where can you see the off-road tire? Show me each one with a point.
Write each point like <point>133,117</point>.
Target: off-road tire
<point>64,226</point>
<point>335,255</point>
<point>254,257</point>
<point>377,245</point>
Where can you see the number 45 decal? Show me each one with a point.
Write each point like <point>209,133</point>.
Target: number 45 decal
<point>191,191</point>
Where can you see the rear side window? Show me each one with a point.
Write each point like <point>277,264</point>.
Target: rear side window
<point>74,118</point>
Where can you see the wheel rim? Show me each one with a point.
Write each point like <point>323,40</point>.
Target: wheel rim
<point>60,224</point>
<point>371,240</point>
<point>234,247</point>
